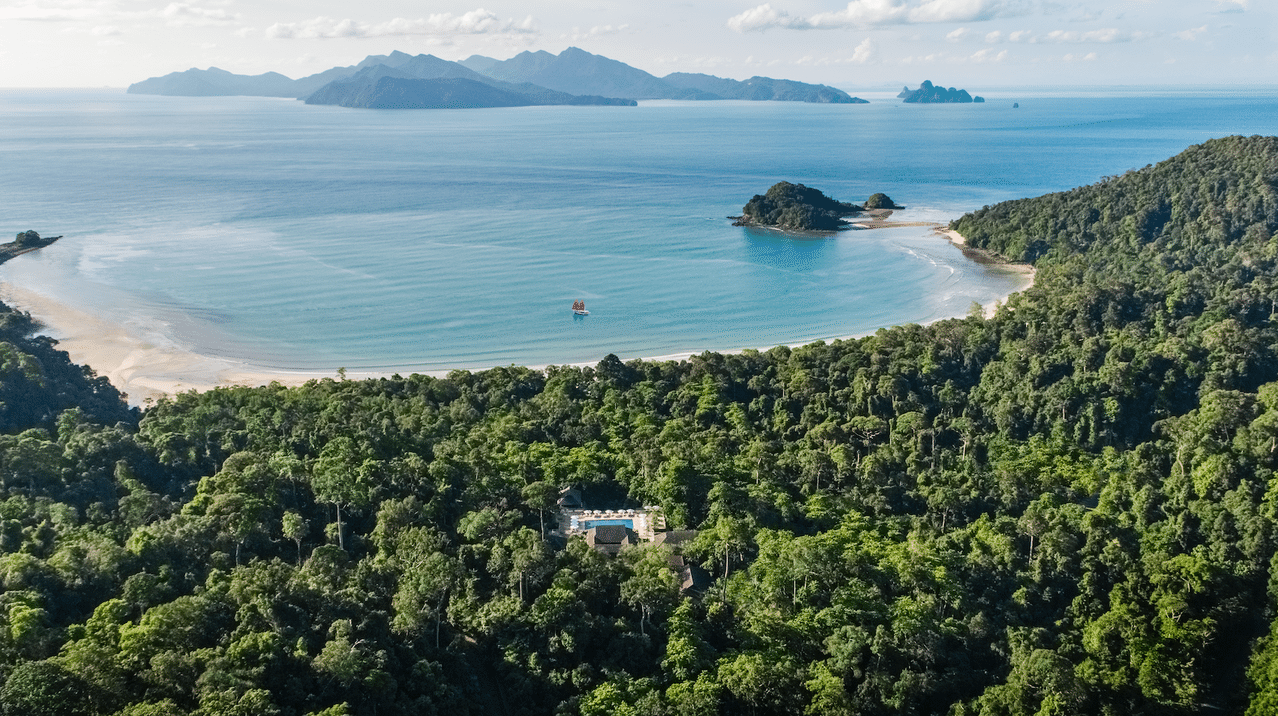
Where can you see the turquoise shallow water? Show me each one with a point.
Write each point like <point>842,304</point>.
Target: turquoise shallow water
<point>298,237</point>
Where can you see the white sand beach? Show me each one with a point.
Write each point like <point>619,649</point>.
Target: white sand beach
<point>1025,271</point>
<point>135,363</point>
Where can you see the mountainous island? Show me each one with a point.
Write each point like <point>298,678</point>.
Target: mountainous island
<point>1065,508</point>
<point>382,91</point>
<point>400,80</point>
<point>927,93</point>
<point>795,207</point>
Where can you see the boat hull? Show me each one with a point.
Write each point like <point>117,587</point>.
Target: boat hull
<point>581,312</point>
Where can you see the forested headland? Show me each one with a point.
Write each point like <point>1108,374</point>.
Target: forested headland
<point>1067,508</point>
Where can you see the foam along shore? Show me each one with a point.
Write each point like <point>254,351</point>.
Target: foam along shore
<point>137,364</point>
<point>1026,271</point>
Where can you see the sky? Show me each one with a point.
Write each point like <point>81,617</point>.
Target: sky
<point>872,44</point>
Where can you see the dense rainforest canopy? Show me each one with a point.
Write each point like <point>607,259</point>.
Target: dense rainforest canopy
<point>1067,508</point>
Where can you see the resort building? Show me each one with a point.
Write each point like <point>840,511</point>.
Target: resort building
<point>611,531</point>
<point>645,522</point>
<point>610,539</point>
<point>691,575</point>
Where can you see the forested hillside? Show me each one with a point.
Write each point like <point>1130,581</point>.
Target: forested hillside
<point>1068,508</point>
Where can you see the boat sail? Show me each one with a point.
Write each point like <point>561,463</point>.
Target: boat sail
<point>579,308</point>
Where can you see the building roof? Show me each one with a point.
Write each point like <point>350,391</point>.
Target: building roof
<point>610,538</point>
<point>691,576</point>
<point>675,538</point>
<point>609,534</point>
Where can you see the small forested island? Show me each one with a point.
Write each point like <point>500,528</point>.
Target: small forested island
<point>1065,508</point>
<point>795,207</point>
<point>880,200</point>
<point>25,241</point>
<point>927,93</point>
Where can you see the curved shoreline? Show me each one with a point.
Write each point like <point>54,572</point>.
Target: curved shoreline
<point>984,257</point>
<point>147,367</point>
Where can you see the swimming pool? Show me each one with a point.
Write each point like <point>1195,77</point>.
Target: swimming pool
<point>627,523</point>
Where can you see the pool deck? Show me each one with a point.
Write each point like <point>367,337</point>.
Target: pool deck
<point>646,521</point>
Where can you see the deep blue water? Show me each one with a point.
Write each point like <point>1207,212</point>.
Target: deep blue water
<point>306,237</point>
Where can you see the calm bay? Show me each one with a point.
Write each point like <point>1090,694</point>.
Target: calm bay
<point>284,237</point>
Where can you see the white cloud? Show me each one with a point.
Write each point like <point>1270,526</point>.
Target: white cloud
<point>959,10</point>
<point>987,56</point>
<point>105,31</point>
<point>38,12</point>
<point>1107,35</point>
<point>923,59</point>
<point>860,13</point>
<point>864,52</point>
<point>956,35</point>
<point>1233,5</point>
<point>866,13</point>
<point>764,17</point>
<point>183,14</point>
<point>1191,34</point>
<point>596,31</point>
<point>1089,57</point>
<point>475,22</point>
<point>179,14</point>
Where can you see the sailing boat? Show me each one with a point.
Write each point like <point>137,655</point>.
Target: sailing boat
<point>579,308</point>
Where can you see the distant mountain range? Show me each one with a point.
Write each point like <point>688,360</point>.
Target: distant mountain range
<point>400,80</point>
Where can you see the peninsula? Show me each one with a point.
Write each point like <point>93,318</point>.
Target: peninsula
<point>25,241</point>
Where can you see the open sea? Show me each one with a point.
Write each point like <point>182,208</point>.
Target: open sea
<point>297,237</point>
